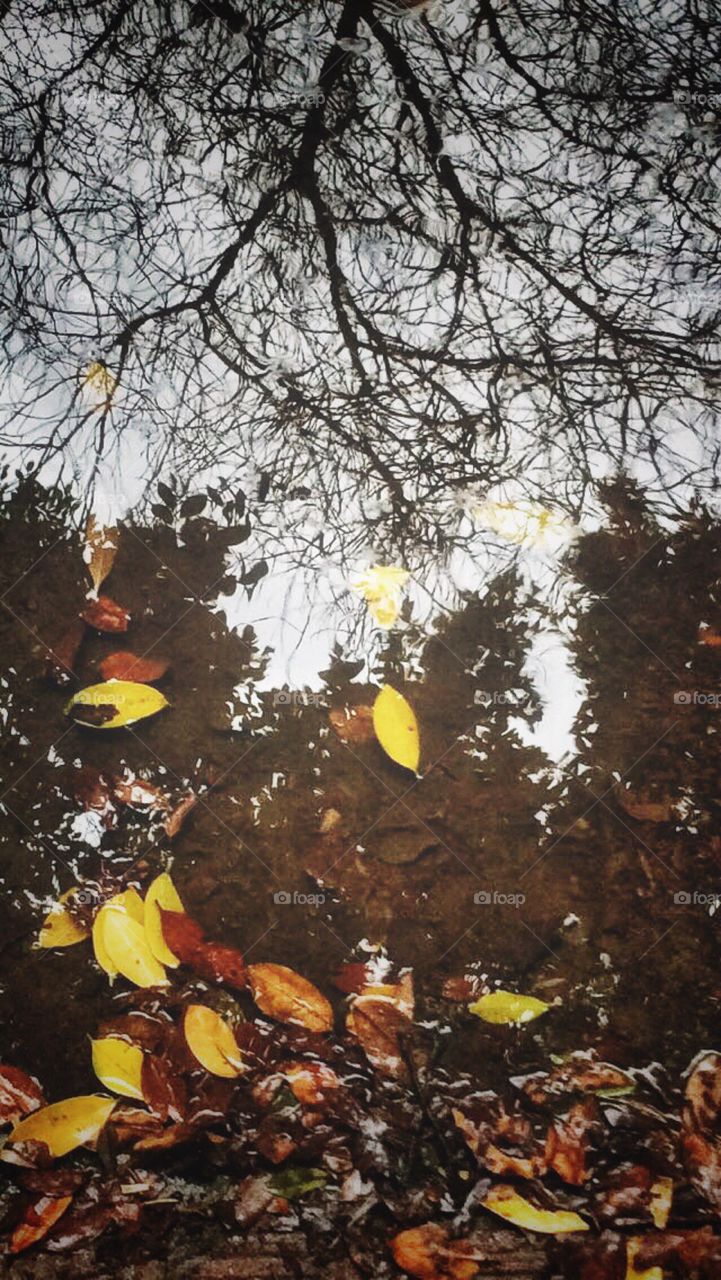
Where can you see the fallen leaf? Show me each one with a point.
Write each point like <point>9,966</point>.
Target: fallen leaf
<point>118,1065</point>
<point>115,703</point>
<point>428,1253</point>
<point>106,615</point>
<point>396,728</point>
<point>352,978</point>
<point>101,548</point>
<point>633,1248</point>
<point>709,636</point>
<point>286,996</point>
<point>291,1183</point>
<point>164,1090</point>
<point>211,960</point>
<point>91,789</point>
<point>581,1073</point>
<point>310,1082</point>
<point>63,1126</point>
<point>128,951</point>
<point>126,666</point>
<point>661,1200</point>
<point>382,588</point>
<point>211,1041</point>
<point>60,657</point>
<point>161,893</point>
<point>640,806</point>
<point>59,928</point>
<point>130,903</point>
<point>37,1221</point>
<point>353,725</point>
<point>176,818</point>
<point>19,1095</point>
<point>506,1006</point>
<point>378,1023</point>
<point>506,1202</point>
<point>568,1142</point>
<point>137,793</point>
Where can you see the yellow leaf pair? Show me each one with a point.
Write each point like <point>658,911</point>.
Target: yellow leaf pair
<point>128,934</point>
<point>63,1126</point>
<point>382,587</point>
<point>506,1202</point>
<point>396,728</point>
<point>125,700</point>
<point>507,1006</point>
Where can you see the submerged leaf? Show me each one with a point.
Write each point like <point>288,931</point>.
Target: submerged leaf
<point>119,702</point>
<point>507,1203</point>
<point>507,1006</point>
<point>186,940</point>
<point>396,728</point>
<point>59,928</point>
<point>101,548</point>
<point>37,1221</point>
<point>118,1065</point>
<point>211,1041</point>
<point>378,1024</point>
<point>105,615</point>
<point>126,666</point>
<point>63,1126</point>
<point>284,994</point>
<point>161,893</point>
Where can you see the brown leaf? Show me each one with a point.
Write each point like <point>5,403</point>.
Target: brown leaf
<point>60,659</point>
<point>91,789</point>
<point>212,961</point>
<point>568,1142</point>
<point>427,1253</point>
<point>283,994</point>
<point>177,816</point>
<point>464,989</point>
<point>105,615</point>
<point>684,1251</point>
<point>310,1082</point>
<point>352,978</point>
<point>254,1197</point>
<point>645,808</point>
<point>701,1127</point>
<point>37,1221</point>
<point>580,1073</point>
<point>353,725</point>
<point>501,1139</point>
<point>101,548</point>
<point>709,636</point>
<point>139,794</point>
<point>19,1095</point>
<point>378,1024</point>
<point>126,666</point>
<point>163,1090</point>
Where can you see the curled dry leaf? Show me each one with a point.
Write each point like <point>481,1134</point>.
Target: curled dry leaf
<point>211,1041</point>
<point>118,1064</point>
<point>59,928</point>
<point>396,728</point>
<point>19,1095</point>
<point>504,1007</point>
<point>126,666</point>
<point>353,725</point>
<point>37,1221</point>
<point>63,1126</point>
<point>283,994</point>
<point>114,704</point>
<point>101,548</point>
<point>106,615</point>
<point>505,1201</point>
<point>161,893</point>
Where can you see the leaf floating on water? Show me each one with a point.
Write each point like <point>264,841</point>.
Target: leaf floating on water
<point>59,928</point>
<point>211,1041</point>
<point>125,665</point>
<point>291,1183</point>
<point>19,1095</point>
<point>382,588</point>
<point>130,903</point>
<point>101,548</point>
<point>128,951</point>
<point>119,702</point>
<point>506,1202</point>
<point>118,1064</point>
<point>37,1221</point>
<point>283,994</point>
<point>396,728</point>
<point>506,1006</point>
<point>105,615</point>
<point>63,1126</point>
<point>161,893</point>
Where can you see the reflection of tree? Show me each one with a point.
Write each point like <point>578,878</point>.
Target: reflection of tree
<point>489,246</point>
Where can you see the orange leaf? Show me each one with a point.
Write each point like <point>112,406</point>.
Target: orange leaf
<point>286,996</point>
<point>105,615</point>
<point>126,666</point>
<point>37,1221</point>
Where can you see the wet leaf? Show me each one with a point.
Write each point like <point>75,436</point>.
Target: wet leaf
<point>19,1095</point>
<point>164,1089</point>
<point>286,996</point>
<point>128,951</point>
<point>353,725</point>
<point>506,1006</point>
<point>661,1200</point>
<point>186,940</point>
<point>63,1126</point>
<point>378,1024</point>
<point>124,665</point>
<point>176,818</point>
<point>633,1248</point>
<point>382,588</point>
<point>37,1221</point>
<point>161,893</point>
<point>105,615</point>
<point>428,1253</point>
<point>101,548</point>
<point>644,808</point>
<point>129,702</point>
<point>310,1082</point>
<point>59,928</point>
<point>291,1183</point>
<point>396,728</point>
<point>128,902</point>
<point>91,789</point>
<point>118,1066</point>
<point>710,636</point>
<point>506,1202</point>
<point>211,1041</point>
<point>568,1142</point>
<point>137,793</point>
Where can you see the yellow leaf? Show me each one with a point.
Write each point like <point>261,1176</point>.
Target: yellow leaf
<point>527,524</point>
<point>506,1006</point>
<point>59,928</point>
<point>100,380</point>
<point>161,893</point>
<point>211,1041</point>
<point>661,1197</point>
<point>506,1202</point>
<point>396,728</point>
<point>101,548</point>
<point>118,1065</point>
<point>128,951</point>
<point>382,588</point>
<point>132,904</point>
<point>63,1126</point>
<point>633,1247</point>
<point>115,703</point>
